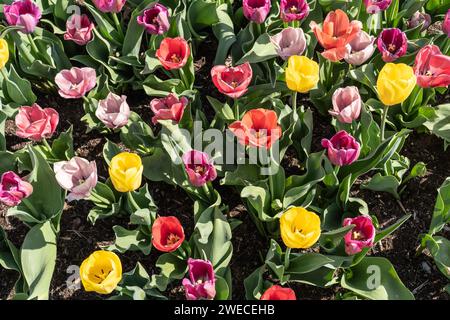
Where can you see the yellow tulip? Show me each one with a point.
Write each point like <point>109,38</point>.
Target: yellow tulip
<point>125,171</point>
<point>395,83</point>
<point>300,228</point>
<point>4,53</point>
<point>302,74</point>
<point>101,272</point>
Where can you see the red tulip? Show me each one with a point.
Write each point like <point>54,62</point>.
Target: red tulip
<point>276,292</point>
<point>258,128</point>
<point>167,234</point>
<point>35,123</point>
<point>432,68</point>
<point>173,53</point>
<point>232,81</point>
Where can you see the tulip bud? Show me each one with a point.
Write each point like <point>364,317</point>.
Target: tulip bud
<point>360,49</point>
<point>173,53</point>
<point>23,13</point>
<point>113,111</point>
<point>293,10</point>
<point>35,123</point>
<point>277,292</point>
<point>114,6</point>
<point>13,189</point>
<point>232,81</point>
<point>125,171</point>
<point>168,108</point>
<point>199,168</point>
<point>101,272</point>
<point>432,68</point>
<point>201,283</point>
<point>167,234</point>
<point>446,24</point>
<point>342,149</point>
<point>78,176</point>
<point>300,228</point>
<point>155,19</point>
<point>79,29</point>
<point>75,82</point>
<point>375,6</point>
<point>4,53</point>
<point>419,18</point>
<point>392,44</point>
<point>395,83</point>
<point>361,236</point>
<point>302,74</point>
<point>289,42</point>
<point>346,104</point>
<point>256,10</point>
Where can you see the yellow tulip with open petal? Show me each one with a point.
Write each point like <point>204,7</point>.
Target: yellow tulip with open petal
<point>300,228</point>
<point>101,272</point>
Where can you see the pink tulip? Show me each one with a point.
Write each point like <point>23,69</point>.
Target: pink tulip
<point>76,82</point>
<point>23,13</point>
<point>35,123</point>
<point>199,168</point>
<point>202,280</point>
<point>375,6</point>
<point>79,29</point>
<point>361,236</point>
<point>342,149</point>
<point>113,111</point>
<point>432,68</point>
<point>232,81</point>
<point>13,189</point>
<point>168,108</point>
<point>293,10</point>
<point>155,19</point>
<point>392,44</point>
<point>289,42</point>
<point>346,104</point>
<point>419,18</point>
<point>78,176</point>
<point>256,10</point>
<point>360,49</point>
<point>109,5</point>
<point>446,24</point>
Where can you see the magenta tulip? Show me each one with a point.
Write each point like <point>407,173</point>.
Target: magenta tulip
<point>13,189</point>
<point>375,6</point>
<point>289,42</point>
<point>168,108</point>
<point>35,123</point>
<point>201,283</point>
<point>293,10</point>
<point>446,24</point>
<point>342,149</point>
<point>392,43</point>
<point>114,6</point>
<point>113,111</point>
<point>76,82</point>
<point>79,29</point>
<point>199,168</point>
<point>23,13</point>
<point>256,10</point>
<point>155,19</point>
<point>346,104</point>
<point>361,236</point>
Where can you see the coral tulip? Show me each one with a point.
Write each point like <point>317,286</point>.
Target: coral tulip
<point>167,234</point>
<point>101,272</point>
<point>277,292</point>
<point>173,53</point>
<point>300,228</point>
<point>13,189</point>
<point>342,149</point>
<point>232,81</point>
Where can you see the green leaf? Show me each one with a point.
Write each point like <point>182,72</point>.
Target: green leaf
<point>331,239</point>
<point>2,130</point>
<point>62,147</point>
<point>308,262</point>
<point>196,17</point>
<point>224,32</point>
<point>222,289</point>
<point>18,89</point>
<point>110,150</point>
<point>441,213</point>
<point>441,255</point>
<point>262,50</point>
<point>383,183</point>
<point>133,240</point>
<point>440,126</point>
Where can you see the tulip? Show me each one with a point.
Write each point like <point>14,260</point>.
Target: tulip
<point>23,13</point>
<point>392,43</point>
<point>168,108</point>
<point>375,6</point>
<point>419,18</point>
<point>446,24</point>
<point>202,280</point>
<point>432,68</point>
<point>13,189</point>
<point>361,236</point>
<point>277,292</point>
<point>258,128</point>
<point>360,49</point>
<point>113,111</point>
<point>199,167</point>
<point>289,42</point>
<point>78,176</point>
<point>4,53</point>
<point>79,29</point>
<point>232,81</point>
<point>35,123</point>
<point>395,83</point>
<point>114,6</point>
<point>337,31</point>
<point>155,19</point>
<point>302,74</point>
<point>256,10</point>
<point>300,228</point>
<point>76,82</point>
<point>173,53</point>
<point>293,10</point>
<point>101,272</point>
<point>167,234</point>
<point>125,171</point>
<point>346,104</point>
<point>342,149</point>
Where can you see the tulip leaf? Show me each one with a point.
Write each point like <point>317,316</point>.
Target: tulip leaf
<point>110,149</point>
<point>197,19</point>
<point>331,239</point>
<point>222,289</point>
<point>262,50</point>
<point>441,213</point>
<point>133,240</point>
<point>376,279</point>
<point>308,262</point>
<point>224,32</point>
<point>440,250</point>
<point>383,183</point>
<point>440,126</point>
<point>2,130</point>
<point>18,89</point>
<point>62,147</point>
<point>172,266</point>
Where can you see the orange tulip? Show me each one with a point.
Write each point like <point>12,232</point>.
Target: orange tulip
<point>337,31</point>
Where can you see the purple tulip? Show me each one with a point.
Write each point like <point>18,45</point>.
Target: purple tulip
<point>78,176</point>
<point>342,149</point>
<point>13,189</point>
<point>23,13</point>
<point>346,104</point>
<point>155,19</point>
<point>256,10</point>
<point>75,82</point>
<point>199,167</point>
<point>360,49</point>
<point>392,44</point>
<point>202,280</point>
<point>79,29</point>
<point>289,42</point>
<point>446,24</point>
<point>419,18</point>
<point>113,111</point>
<point>361,236</point>
<point>292,10</point>
<point>375,6</point>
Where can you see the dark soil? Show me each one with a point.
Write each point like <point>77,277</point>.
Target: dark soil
<point>78,238</point>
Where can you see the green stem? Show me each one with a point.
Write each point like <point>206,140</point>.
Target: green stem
<point>30,206</point>
<point>133,202</point>
<point>34,48</point>
<point>184,79</point>
<point>117,24</point>
<point>383,121</point>
<point>49,148</point>
<point>207,192</point>
<point>286,258</point>
<point>236,110</point>
<point>5,76</point>
<point>294,100</point>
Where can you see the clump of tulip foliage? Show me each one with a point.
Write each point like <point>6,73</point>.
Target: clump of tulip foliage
<point>374,68</point>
